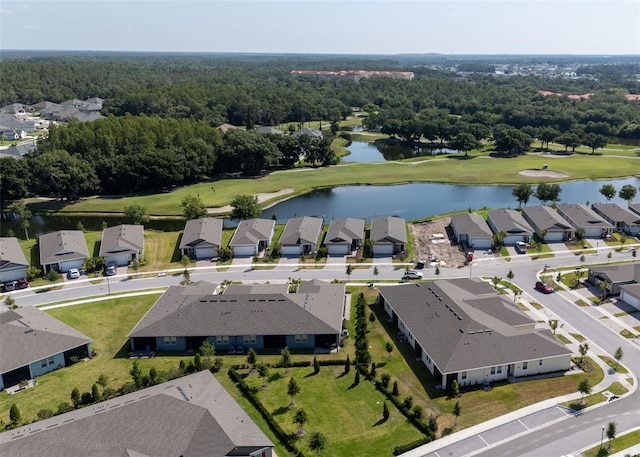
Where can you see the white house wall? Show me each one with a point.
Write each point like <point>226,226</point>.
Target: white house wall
<point>538,366</point>
<point>630,299</point>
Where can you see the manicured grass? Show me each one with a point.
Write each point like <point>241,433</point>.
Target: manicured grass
<point>160,250</point>
<point>581,302</point>
<point>477,170</point>
<point>536,305</point>
<point>617,389</point>
<point>563,338</point>
<point>627,334</point>
<point>618,444</point>
<point>579,338</point>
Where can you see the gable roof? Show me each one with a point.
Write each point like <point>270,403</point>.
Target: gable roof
<point>122,238</point>
<point>313,133</point>
<point>471,224</point>
<point>619,273</point>
<point>11,122</point>
<point>187,311</point>
<point>390,228</point>
<point>205,230</point>
<point>509,221</point>
<point>635,207</point>
<point>464,324</point>
<point>301,229</point>
<point>62,245</point>
<point>11,253</point>
<point>29,334</point>
<point>190,416</point>
<point>616,213</point>
<point>270,130</point>
<point>545,218</point>
<point>18,151</point>
<point>251,231</point>
<point>344,231</point>
<point>581,216</point>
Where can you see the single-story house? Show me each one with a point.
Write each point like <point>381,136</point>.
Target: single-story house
<point>270,130</point>
<point>16,108</point>
<point>471,229</point>
<point>9,121</point>
<point>635,207</point>
<point>631,294</point>
<point>463,330</point>
<point>621,218</point>
<point>62,250</point>
<point>546,219</point>
<point>344,236</point>
<point>389,235</point>
<point>300,236</point>
<point>268,318</point>
<point>582,217</point>
<point>201,238</point>
<point>252,236</point>
<point>18,151</point>
<point>122,244</point>
<point>512,223</point>
<point>312,133</point>
<point>34,343</point>
<point>9,134</point>
<point>190,416</point>
<point>616,275</point>
<point>13,262</point>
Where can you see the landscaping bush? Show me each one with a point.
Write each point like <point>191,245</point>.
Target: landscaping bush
<point>414,444</point>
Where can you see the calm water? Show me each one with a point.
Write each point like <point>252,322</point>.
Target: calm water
<point>381,152</point>
<point>411,201</point>
<point>416,201</point>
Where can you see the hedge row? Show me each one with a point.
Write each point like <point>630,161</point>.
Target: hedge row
<point>407,447</point>
<point>300,364</point>
<point>424,428</point>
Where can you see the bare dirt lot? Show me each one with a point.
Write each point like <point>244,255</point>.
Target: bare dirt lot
<point>444,252</point>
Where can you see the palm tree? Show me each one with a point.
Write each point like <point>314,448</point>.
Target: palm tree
<point>604,288</point>
<point>583,348</point>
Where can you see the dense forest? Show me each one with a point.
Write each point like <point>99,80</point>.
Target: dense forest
<point>162,113</point>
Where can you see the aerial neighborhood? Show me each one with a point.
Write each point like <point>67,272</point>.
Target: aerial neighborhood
<point>194,260</point>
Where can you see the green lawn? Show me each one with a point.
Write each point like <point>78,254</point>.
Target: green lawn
<point>618,444</point>
<point>476,170</point>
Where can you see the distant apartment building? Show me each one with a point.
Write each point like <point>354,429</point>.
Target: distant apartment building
<point>355,75</point>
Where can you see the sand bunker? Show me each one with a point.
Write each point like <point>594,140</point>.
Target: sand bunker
<point>535,173</point>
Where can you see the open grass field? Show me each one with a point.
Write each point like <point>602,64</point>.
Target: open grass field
<point>618,444</point>
<point>474,170</point>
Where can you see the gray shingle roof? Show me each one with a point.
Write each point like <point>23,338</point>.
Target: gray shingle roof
<point>620,273</point>
<point>471,224</point>
<point>463,324</point>
<point>635,207</point>
<point>251,231</point>
<point>344,231</point>
<point>616,213</point>
<point>18,151</point>
<point>11,253</point>
<point>199,231</point>
<point>581,216</point>
<point>28,335</point>
<point>270,130</point>
<point>186,311</point>
<point>190,416</point>
<point>122,238</point>
<point>510,221</point>
<point>389,228</point>
<point>545,218</point>
<point>61,246</point>
<point>313,133</point>
<point>301,229</point>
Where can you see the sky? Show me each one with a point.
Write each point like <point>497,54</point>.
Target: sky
<point>325,26</point>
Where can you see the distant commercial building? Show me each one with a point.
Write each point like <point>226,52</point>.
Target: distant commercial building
<point>355,75</point>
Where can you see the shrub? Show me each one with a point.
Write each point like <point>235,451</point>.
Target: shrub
<point>64,407</point>
<point>385,379</point>
<point>53,276</point>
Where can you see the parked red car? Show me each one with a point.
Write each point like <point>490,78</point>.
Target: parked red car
<point>544,287</point>
<point>23,283</point>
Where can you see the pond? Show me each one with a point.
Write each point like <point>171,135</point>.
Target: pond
<point>380,151</point>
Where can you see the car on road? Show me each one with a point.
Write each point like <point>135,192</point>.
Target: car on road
<point>73,273</point>
<point>544,287</point>
<point>110,269</point>
<point>412,274</point>
<point>22,283</point>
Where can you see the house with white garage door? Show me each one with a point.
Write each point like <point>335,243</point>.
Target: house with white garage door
<point>512,223</point>
<point>616,276</point>
<point>300,236</point>
<point>389,235</point>
<point>583,217</point>
<point>631,295</point>
<point>62,250</point>
<point>252,237</point>
<point>122,244</point>
<point>201,238</point>
<point>624,220</point>
<point>13,262</point>
<point>471,229</point>
<point>344,236</point>
<point>546,220</point>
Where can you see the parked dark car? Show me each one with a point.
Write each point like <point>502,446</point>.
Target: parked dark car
<point>544,287</point>
<point>22,283</point>
<point>110,269</point>
<point>9,286</point>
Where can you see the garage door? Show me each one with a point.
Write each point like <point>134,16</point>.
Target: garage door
<point>481,243</point>
<point>554,236</point>
<point>383,249</point>
<point>290,250</point>
<point>339,249</point>
<point>243,251</point>
<point>206,253</point>
<point>66,266</point>
<point>628,298</point>
<point>120,260</point>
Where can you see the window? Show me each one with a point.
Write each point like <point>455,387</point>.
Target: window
<point>301,338</point>
<point>525,365</point>
<point>50,360</point>
<point>500,369</point>
<point>170,341</point>
<point>47,361</point>
<point>493,371</point>
<point>249,339</point>
<point>463,376</point>
<point>222,340</point>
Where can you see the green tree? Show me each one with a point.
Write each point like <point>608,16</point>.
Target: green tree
<point>285,358</point>
<point>349,270</point>
<point>245,207</point>
<point>60,174</point>
<point>14,415</point>
<point>10,302</point>
<point>395,390</point>
<point>136,374</point>
<point>192,207</point>
<point>300,418</point>
<point>611,432</point>
<point>554,324</point>
<point>522,192</point>
<point>389,348</point>
<point>252,357</point>
<point>136,214</point>
<point>498,238</point>
<point>75,397</point>
<point>510,275</point>
<point>293,389</point>
<point>207,352</point>
<point>604,288</point>
<point>628,193</point>
<point>263,372</point>
<point>385,411</point>
<point>23,214</point>
<point>457,411</point>
<point>608,191</point>
<point>44,414</point>
<point>455,388</point>
<point>95,393</point>
<point>583,349</point>
<point>317,442</point>
<point>595,141</point>
<point>618,356</point>
<point>465,142</point>
<point>584,388</point>
<point>546,192</point>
